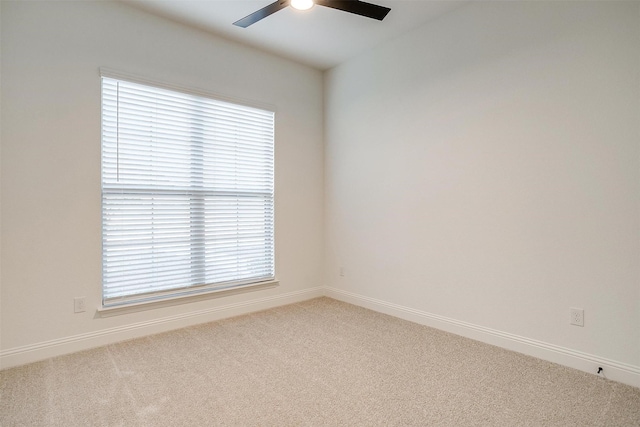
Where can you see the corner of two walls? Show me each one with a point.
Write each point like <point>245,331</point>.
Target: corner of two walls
<point>482,177</point>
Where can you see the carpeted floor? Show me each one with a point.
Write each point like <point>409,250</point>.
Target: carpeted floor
<point>316,363</point>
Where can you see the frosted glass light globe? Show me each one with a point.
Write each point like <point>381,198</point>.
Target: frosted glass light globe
<point>302,4</point>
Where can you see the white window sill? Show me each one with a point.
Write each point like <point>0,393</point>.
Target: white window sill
<point>184,299</point>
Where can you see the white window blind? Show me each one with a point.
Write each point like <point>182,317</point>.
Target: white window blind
<point>187,193</point>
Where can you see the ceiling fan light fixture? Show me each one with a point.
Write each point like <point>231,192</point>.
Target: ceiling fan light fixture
<point>359,7</point>
<point>302,4</point>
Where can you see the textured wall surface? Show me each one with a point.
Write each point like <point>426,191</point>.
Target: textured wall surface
<point>485,168</point>
<point>51,214</point>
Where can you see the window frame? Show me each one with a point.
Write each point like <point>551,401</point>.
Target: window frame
<point>187,290</point>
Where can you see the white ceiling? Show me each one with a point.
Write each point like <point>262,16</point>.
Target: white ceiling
<point>321,37</point>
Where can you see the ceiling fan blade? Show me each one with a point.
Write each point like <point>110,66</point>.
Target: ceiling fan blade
<point>262,13</point>
<point>358,7</point>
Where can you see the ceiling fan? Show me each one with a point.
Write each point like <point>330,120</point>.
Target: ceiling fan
<point>352,6</point>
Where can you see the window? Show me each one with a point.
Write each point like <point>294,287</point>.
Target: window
<point>187,193</point>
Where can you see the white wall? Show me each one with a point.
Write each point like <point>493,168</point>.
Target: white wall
<point>51,247</point>
<point>484,169</point>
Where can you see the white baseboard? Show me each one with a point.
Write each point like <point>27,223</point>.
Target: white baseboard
<point>32,353</point>
<point>613,370</point>
<point>617,371</point>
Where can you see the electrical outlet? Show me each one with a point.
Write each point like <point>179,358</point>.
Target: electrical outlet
<point>577,316</point>
<point>342,271</point>
<point>79,304</point>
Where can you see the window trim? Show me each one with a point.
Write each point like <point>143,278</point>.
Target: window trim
<point>116,310</point>
<point>192,293</point>
<point>133,78</point>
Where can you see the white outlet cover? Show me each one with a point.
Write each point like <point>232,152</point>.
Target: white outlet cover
<point>79,305</point>
<point>577,316</point>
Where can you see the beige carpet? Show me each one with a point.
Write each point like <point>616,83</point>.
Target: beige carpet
<point>317,363</point>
